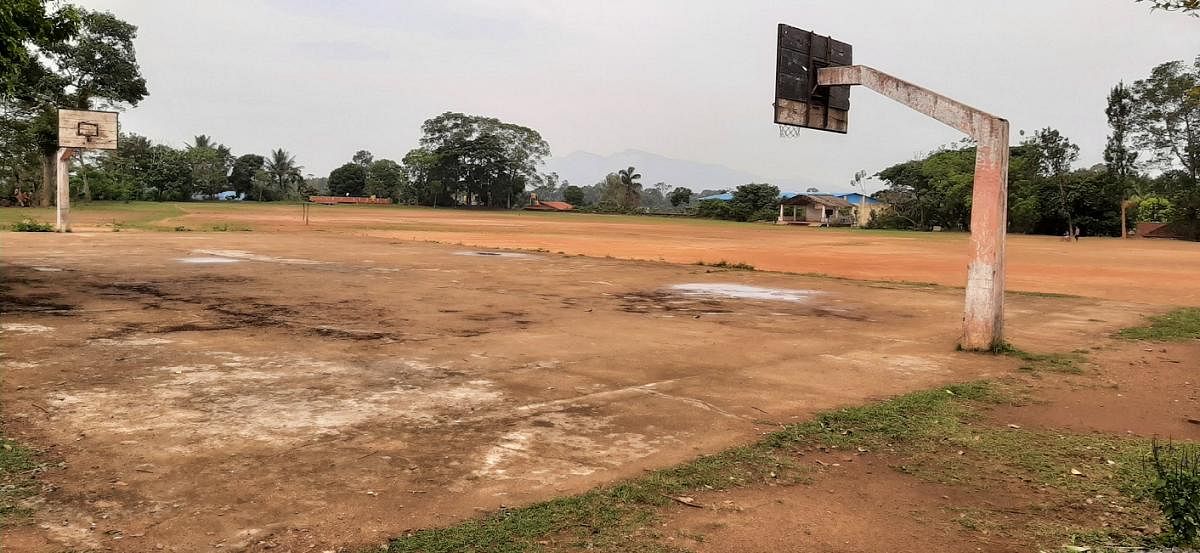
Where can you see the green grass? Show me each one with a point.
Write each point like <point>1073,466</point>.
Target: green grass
<point>937,435</point>
<point>29,225</point>
<point>1176,326</point>
<point>17,464</point>
<point>1053,362</point>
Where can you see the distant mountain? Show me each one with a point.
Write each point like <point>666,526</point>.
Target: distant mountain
<point>584,168</point>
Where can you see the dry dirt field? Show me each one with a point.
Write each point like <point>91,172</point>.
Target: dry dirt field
<point>334,386</point>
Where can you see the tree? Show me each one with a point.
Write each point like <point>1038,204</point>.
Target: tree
<point>210,163</point>
<point>1166,124</point>
<point>1190,7</point>
<point>475,160</point>
<point>241,176</point>
<point>385,179</point>
<point>1166,115</point>
<point>362,157</point>
<point>1155,210</point>
<point>812,190</point>
<point>755,202</point>
<point>93,67</point>
<point>573,195</point>
<point>621,190</point>
<point>1119,159</point>
<point>1053,155</point>
<point>348,180</point>
<point>680,196</point>
<point>25,28</point>
<point>285,174</point>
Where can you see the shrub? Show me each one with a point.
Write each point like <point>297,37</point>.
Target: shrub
<point>1176,489</point>
<point>29,225</point>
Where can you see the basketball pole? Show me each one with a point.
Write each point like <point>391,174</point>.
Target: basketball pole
<point>983,313</point>
<point>62,178</point>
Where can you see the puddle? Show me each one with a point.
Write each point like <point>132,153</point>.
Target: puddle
<point>742,291</point>
<point>206,260</point>
<point>511,255</point>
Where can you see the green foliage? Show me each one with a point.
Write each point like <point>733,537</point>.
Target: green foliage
<point>1052,362</point>
<point>621,192</point>
<point>29,225</point>
<point>1154,210</point>
<point>1178,325</point>
<point>751,202</point>
<point>680,196</point>
<point>241,175</point>
<point>210,164</point>
<point>473,160</point>
<point>936,191</point>
<point>348,180</point>
<point>26,26</point>
<point>284,174</point>
<point>385,179</point>
<point>1176,489</point>
<point>573,195</point>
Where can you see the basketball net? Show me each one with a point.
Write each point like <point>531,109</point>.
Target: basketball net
<point>788,131</point>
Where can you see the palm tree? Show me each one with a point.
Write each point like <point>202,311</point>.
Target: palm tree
<point>1134,196</point>
<point>632,189</point>
<point>284,172</point>
<point>202,142</point>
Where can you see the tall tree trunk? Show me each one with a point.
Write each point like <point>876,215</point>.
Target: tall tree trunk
<point>49,170</point>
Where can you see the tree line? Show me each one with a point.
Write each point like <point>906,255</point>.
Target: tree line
<point>1150,170</point>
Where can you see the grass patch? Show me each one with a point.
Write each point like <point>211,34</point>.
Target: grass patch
<point>226,227</point>
<point>1067,363</point>
<point>1176,326</point>
<point>936,435</point>
<point>621,517</point>
<point>30,225</point>
<point>17,465</point>
<point>722,264</point>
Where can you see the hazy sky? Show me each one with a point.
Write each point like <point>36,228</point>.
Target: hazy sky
<point>690,79</point>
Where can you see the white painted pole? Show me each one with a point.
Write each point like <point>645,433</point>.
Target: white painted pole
<point>62,176</point>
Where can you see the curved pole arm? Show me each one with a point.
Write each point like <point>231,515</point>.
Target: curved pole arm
<point>974,122</point>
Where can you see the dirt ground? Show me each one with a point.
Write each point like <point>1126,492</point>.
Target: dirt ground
<point>256,390</point>
<point>1160,272</point>
<point>861,503</point>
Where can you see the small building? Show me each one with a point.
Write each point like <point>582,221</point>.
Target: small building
<point>816,210</point>
<point>864,206</point>
<point>539,205</point>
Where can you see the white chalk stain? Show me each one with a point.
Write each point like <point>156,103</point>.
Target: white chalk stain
<point>25,328</point>
<point>742,291</point>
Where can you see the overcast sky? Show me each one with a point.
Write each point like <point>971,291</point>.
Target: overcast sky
<point>690,79</point>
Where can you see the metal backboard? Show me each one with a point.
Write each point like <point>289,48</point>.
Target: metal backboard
<point>94,130</point>
<point>799,102</point>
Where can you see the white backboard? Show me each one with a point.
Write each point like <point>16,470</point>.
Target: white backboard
<point>94,130</point>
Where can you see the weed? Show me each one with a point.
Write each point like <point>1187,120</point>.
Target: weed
<point>1053,362</point>
<point>226,227</point>
<point>1176,326</point>
<point>29,225</point>
<point>16,482</point>
<point>182,228</point>
<point>1176,489</point>
<point>722,264</point>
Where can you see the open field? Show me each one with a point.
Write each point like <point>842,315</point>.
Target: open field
<point>1144,271</point>
<point>341,385</point>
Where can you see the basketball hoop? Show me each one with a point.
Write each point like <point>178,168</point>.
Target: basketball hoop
<point>788,131</point>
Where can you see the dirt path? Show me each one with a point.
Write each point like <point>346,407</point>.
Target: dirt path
<point>254,390</point>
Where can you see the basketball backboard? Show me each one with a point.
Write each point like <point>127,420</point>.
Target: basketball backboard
<point>93,130</point>
<point>799,102</point>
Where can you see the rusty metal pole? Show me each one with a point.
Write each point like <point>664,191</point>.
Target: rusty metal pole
<point>983,314</point>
